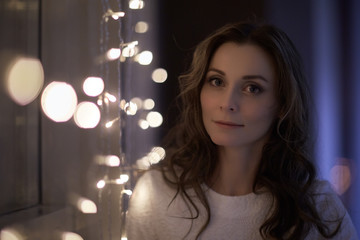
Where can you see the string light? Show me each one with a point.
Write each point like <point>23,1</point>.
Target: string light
<point>113,15</point>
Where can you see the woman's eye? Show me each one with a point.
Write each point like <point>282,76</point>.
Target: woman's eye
<point>253,89</point>
<point>217,82</point>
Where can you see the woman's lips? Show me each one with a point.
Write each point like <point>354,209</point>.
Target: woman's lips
<point>228,124</point>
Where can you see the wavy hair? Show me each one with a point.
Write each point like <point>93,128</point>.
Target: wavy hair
<point>285,168</point>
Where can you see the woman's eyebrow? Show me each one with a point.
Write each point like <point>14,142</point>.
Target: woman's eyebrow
<point>246,77</point>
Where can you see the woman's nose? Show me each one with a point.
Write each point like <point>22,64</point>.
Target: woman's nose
<point>229,101</point>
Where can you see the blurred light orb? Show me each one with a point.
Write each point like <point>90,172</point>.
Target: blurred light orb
<point>154,119</point>
<point>113,53</point>
<point>141,27</point>
<point>112,161</point>
<point>93,86</point>
<point>148,104</point>
<point>71,236</point>
<point>101,184</point>
<point>340,178</point>
<point>159,75</point>
<point>137,101</point>
<point>130,108</point>
<point>10,234</point>
<point>143,124</point>
<point>129,51</point>
<point>24,80</point>
<point>86,206</point>
<point>87,115</point>
<point>124,178</point>
<point>59,101</point>
<point>127,192</point>
<point>136,4</point>
<point>144,58</point>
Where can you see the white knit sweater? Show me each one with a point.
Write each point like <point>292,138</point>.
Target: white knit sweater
<point>151,216</point>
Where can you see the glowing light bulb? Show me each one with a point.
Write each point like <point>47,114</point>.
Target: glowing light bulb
<point>137,101</point>
<point>110,97</point>
<point>126,191</point>
<point>148,104</point>
<point>113,53</point>
<point>87,115</point>
<point>130,108</point>
<point>136,4</point>
<point>144,58</point>
<point>86,206</point>
<point>141,27</point>
<point>159,75</point>
<point>124,178</point>
<point>101,184</point>
<point>112,161</point>
<point>93,86</point>
<point>154,119</point>
<point>59,101</point>
<point>24,80</point>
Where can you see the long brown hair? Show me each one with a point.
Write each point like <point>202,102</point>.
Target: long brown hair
<point>285,169</point>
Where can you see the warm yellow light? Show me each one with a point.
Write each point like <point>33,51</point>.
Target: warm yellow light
<point>137,101</point>
<point>112,161</point>
<point>141,27</point>
<point>130,108</point>
<point>124,178</point>
<point>71,236</point>
<point>24,80</point>
<point>10,234</point>
<point>126,191</point>
<point>148,104</point>
<point>86,206</point>
<point>113,53</point>
<point>143,124</point>
<point>154,119</point>
<point>144,58</point>
<point>110,97</point>
<point>87,115</point>
<point>101,184</point>
<point>159,75</point>
<point>93,86</point>
<point>59,101</point>
<point>136,4</point>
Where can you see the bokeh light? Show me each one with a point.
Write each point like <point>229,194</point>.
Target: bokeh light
<point>141,27</point>
<point>93,86</point>
<point>340,176</point>
<point>10,234</point>
<point>143,124</point>
<point>136,4</point>
<point>71,236</point>
<point>24,80</point>
<point>86,206</point>
<point>113,53</point>
<point>148,104</point>
<point>59,101</point>
<point>144,58</point>
<point>87,115</point>
<point>154,119</point>
<point>159,75</point>
<point>101,184</point>
<point>130,108</point>
<point>137,101</point>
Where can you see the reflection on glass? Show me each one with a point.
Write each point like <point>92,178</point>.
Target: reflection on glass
<point>59,101</point>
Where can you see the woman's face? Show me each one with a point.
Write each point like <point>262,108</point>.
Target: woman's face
<point>238,96</point>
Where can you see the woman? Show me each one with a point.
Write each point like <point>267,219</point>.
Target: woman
<point>237,165</point>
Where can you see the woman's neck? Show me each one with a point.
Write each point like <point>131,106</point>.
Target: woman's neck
<point>236,171</point>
